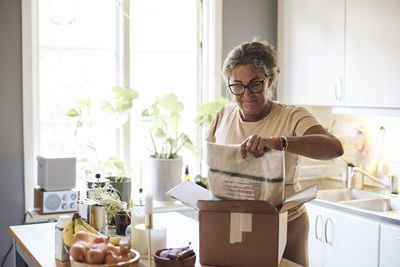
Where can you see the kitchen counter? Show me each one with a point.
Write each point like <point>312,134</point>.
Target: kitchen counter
<point>35,217</point>
<point>392,217</point>
<point>35,242</point>
<point>330,183</point>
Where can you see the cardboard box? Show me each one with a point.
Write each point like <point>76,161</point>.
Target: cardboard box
<point>239,232</point>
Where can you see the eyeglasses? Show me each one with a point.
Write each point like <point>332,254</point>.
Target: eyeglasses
<point>254,87</point>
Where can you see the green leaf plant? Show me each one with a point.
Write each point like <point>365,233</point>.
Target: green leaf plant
<point>81,112</point>
<point>166,135</point>
<point>123,99</point>
<point>115,167</point>
<point>207,112</point>
<point>121,103</point>
<point>205,115</point>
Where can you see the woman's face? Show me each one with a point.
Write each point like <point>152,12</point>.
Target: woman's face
<point>252,105</point>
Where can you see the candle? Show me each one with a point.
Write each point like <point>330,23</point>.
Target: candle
<point>140,238</point>
<point>148,204</point>
<point>137,215</point>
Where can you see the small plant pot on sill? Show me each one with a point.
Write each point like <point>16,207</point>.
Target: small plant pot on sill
<point>124,187</point>
<point>164,174</point>
<point>90,184</point>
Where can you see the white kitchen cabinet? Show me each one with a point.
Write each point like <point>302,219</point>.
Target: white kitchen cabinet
<point>372,53</point>
<point>311,50</point>
<point>316,215</point>
<point>342,239</point>
<point>350,240</point>
<point>342,53</point>
<point>389,246</point>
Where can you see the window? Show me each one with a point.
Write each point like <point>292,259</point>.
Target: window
<point>164,60</point>
<point>77,61</point>
<point>78,50</point>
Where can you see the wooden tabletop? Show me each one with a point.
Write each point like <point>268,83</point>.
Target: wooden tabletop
<point>34,239</point>
<point>37,240</point>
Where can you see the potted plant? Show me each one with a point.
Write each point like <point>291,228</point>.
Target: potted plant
<point>165,165</point>
<point>106,195</point>
<point>119,177</point>
<point>111,168</point>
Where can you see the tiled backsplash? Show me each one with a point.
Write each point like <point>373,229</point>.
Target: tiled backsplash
<point>344,127</point>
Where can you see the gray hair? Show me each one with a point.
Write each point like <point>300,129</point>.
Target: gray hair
<point>261,54</point>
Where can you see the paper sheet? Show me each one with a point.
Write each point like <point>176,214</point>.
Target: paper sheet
<point>189,193</point>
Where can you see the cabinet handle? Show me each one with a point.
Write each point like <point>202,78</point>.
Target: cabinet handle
<point>316,227</point>
<point>339,88</point>
<point>326,227</point>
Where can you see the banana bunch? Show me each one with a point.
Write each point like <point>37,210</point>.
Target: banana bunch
<point>76,225</point>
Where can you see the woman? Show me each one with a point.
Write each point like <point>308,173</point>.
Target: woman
<point>259,124</point>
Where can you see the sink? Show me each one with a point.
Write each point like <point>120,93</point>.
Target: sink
<point>344,194</point>
<point>375,204</point>
<point>372,204</point>
<point>368,203</point>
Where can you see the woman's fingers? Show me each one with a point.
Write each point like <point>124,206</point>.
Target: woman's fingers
<point>257,148</point>
<point>261,146</point>
<point>254,144</point>
<point>243,148</point>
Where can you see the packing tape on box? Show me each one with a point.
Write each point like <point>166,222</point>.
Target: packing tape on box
<point>240,222</point>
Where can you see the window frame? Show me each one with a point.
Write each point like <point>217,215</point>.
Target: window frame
<point>30,95</point>
<point>30,90</point>
<point>210,63</point>
<point>209,83</point>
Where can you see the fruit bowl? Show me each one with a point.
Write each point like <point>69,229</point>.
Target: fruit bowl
<point>134,262</point>
<point>181,262</point>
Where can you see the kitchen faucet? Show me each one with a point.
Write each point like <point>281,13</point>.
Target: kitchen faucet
<point>392,184</point>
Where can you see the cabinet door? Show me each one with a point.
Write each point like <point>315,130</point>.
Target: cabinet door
<point>311,51</point>
<point>315,235</point>
<point>389,246</point>
<point>350,240</point>
<point>372,53</point>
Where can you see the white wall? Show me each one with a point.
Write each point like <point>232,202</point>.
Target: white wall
<point>245,20</point>
<point>345,128</point>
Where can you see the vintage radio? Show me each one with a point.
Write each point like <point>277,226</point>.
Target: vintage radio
<point>47,202</point>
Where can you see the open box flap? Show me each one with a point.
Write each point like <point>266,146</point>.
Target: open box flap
<point>299,198</point>
<point>189,193</point>
<point>197,197</point>
<point>243,206</point>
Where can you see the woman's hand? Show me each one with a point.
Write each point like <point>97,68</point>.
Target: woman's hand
<point>256,145</point>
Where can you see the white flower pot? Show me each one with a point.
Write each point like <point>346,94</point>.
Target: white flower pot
<point>164,174</point>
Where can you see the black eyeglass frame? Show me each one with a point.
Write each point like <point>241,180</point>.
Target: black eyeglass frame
<point>247,86</point>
